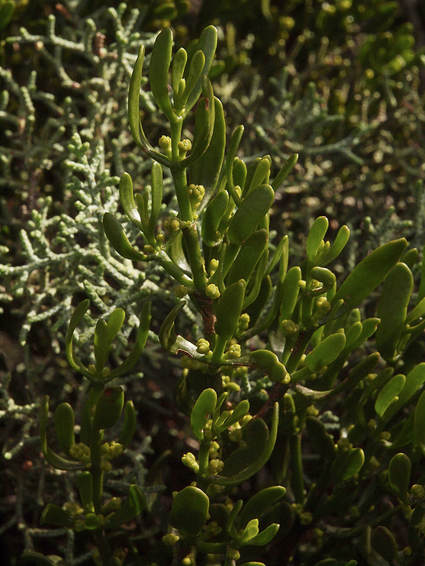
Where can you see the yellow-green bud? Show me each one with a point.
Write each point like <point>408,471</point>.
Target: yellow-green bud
<point>244,320</point>
<point>203,346</point>
<point>213,266</point>
<point>180,291</point>
<point>323,306</point>
<point>165,144</point>
<point>245,419</point>
<point>111,449</point>
<point>170,539</point>
<point>312,410</point>
<point>215,466</point>
<point>196,193</point>
<point>189,460</point>
<point>174,225</point>
<point>287,22</point>
<point>80,451</point>
<point>184,146</point>
<point>212,291</point>
<point>214,449</point>
<point>417,491</point>
<point>234,351</point>
<point>232,386</point>
<point>289,327</point>
<point>235,433</point>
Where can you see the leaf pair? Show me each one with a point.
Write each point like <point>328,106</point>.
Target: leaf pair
<point>105,333</point>
<point>139,211</point>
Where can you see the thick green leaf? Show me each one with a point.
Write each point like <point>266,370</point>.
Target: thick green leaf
<point>289,292</point>
<point>157,192</point>
<point>369,327</point>
<point>384,543</point>
<point>193,77</point>
<point>207,44</point>
<point>260,503</point>
<point>84,482</point>
<point>76,318</point>
<point>115,234</point>
<point>109,407</point>
<point>315,237</point>
<point>249,532</point>
<point>239,172</point>
<point>64,419</point>
<point>158,70</point>
<point>189,510</point>
<point>104,334</point>
<point>248,257</point>
<point>167,335</point>
<point>206,170</point>
<point>56,516</point>
<point>281,251</point>
<point>203,410</point>
<point>326,255</point>
<point>284,171</point>
<point>392,309</point>
<point>177,69</point>
<point>127,201</point>
<point>419,421</point>
<point>354,463</point>
<point>223,422</point>
<point>235,140</point>
<point>139,343</point>
<point>389,393</point>
<point>254,437</point>
<point>129,425</point>
<point>399,470</point>
<point>347,464</point>
<point>265,536</point>
<point>228,309</point>
<point>261,174</point>
<point>250,213</point>
<point>417,312</point>
<point>54,459</point>
<point>326,277</point>
<point>370,272</point>
<point>212,217</point>
<point>269,362</point>
<point>325,352</point>
<point>204,126</point>
<point>134,100</point>
<point>414,381</point>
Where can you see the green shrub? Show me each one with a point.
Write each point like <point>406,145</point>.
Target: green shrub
<point>305,408</point>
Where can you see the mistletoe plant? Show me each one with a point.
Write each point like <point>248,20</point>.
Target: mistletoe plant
<point>284,377</point>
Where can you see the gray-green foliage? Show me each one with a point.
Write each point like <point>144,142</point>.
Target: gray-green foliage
<point>355,129</point>
<point>60,154</point>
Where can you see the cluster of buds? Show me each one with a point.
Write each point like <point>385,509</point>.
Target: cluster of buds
<point>196,194</point>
